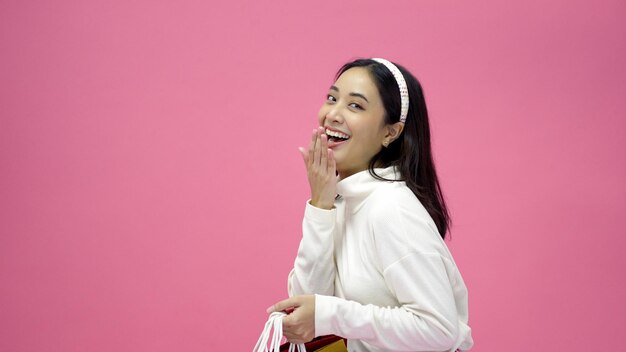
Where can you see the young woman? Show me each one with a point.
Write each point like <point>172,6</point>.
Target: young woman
<point>372,265</point>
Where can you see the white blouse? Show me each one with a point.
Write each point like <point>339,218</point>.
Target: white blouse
<point>383,276</point>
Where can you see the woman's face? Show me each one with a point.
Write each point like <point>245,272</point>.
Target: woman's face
<point>353,119</point>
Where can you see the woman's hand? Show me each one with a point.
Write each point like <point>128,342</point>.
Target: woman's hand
<point>321,170</point>
<point>299,325</point>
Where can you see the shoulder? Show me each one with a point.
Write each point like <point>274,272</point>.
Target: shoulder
<point>399,221</point>
<point>396,199</point>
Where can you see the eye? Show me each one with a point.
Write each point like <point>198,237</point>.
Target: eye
<point>356,106</point>
<point>331,98</point>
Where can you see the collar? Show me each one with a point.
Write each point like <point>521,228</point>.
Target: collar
<point>356,188</point>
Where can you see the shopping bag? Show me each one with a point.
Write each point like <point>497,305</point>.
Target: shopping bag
<point>327,343</point>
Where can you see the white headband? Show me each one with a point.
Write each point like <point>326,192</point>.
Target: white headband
<point>404,92</point>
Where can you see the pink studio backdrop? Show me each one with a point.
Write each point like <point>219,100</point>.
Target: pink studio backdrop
<point>151,191</point>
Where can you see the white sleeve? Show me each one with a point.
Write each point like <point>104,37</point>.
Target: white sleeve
<point>426,319</point>
<point>314,268</point>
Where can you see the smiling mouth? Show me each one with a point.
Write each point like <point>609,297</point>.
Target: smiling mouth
<point>336,137</point>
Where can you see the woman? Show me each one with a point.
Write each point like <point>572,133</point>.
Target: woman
<point>372,265</point>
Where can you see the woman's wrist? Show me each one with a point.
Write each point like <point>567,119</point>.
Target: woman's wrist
<point>321,204</point>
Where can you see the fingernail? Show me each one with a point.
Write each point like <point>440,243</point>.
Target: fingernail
<point>270,309</point>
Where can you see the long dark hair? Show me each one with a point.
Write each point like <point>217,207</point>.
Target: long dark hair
<point>411,152</point>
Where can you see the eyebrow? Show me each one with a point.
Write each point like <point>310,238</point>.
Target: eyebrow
<point>351,94</point>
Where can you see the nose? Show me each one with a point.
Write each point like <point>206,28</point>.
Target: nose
<point>333,115</point>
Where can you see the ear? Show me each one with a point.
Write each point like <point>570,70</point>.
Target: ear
<point>392,133</point>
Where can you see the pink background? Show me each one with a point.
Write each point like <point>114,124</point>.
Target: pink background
<point>151,191</point>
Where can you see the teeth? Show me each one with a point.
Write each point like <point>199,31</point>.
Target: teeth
<point>337,134</point>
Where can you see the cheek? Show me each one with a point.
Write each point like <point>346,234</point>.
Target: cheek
<point>321,115</point>
<point>370,138</point>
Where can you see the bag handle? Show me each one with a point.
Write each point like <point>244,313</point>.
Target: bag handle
<point>273,333</point>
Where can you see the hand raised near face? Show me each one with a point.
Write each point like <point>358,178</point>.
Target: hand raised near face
<point>321,170</point>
